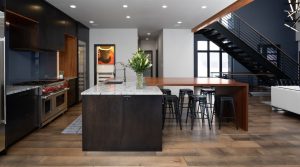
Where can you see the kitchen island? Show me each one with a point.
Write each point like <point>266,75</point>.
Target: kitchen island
<point>119,117</point>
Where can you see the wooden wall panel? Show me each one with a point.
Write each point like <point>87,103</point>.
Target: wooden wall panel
<point>68,57</point>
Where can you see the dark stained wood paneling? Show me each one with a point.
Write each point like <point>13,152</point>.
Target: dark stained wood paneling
<point>128,123</point>
<point>102,122</point>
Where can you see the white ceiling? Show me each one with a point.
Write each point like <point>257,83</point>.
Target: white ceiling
<point>146,15</point>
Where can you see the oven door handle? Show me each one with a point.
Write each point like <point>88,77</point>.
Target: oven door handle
<point>55,93</point>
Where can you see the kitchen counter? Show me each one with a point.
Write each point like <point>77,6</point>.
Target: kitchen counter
<point>11,89</point>
<point>126,88</point>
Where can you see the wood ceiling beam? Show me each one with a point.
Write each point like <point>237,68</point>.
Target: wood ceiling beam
<point>231,8</point>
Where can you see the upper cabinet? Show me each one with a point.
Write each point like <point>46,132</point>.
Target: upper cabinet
<point>52,23</point>
<point>2,5</point>
<point>23,32</point>
<point>51,30</point>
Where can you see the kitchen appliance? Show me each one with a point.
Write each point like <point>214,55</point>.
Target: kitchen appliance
<point>2,83</point>
<point>53,99</point>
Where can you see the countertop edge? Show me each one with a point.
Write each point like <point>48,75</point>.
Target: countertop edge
<point>17,89</point>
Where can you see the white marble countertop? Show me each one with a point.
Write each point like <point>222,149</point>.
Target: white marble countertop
<point>126,88</point>
<point>11,89</point>
<point>295,88</point>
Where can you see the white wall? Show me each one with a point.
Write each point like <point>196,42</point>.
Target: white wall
<point>160,54</point>
<point>178,54</point>
<point>150,45</point>
<point>126,41</point>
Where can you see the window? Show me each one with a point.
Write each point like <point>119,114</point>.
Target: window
<point>214,64</point>
<point>212,61</point>
<point>202,65</point>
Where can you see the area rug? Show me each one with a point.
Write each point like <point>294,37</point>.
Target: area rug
<point>75,127</point>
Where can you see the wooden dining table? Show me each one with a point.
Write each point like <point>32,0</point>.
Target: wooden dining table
<point>230,87</point>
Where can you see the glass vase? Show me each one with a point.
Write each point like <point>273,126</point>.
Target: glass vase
<point>139,80</point>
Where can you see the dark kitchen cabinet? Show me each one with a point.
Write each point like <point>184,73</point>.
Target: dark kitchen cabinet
<point>2,5</point>
<point>52,22</point>
<point>22,115</point>
<point>51,30</point>
<point>72,92</point>
<point>23,32</point>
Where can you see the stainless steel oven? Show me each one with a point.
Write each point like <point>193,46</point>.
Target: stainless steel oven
<point>53,105</point>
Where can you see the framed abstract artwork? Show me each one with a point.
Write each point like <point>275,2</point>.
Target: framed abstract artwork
<point>105,54</point>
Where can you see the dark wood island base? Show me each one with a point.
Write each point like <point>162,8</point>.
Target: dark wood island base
<point>122,123</point>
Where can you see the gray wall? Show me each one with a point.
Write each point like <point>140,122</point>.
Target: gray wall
<point>268,17</point>
<point>20,66</point>
<point>27,66</point>
<point>47,65</point>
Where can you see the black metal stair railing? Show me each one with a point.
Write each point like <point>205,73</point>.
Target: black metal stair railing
<point>261,44</point>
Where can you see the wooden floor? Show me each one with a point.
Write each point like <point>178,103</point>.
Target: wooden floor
<point>273,139</point>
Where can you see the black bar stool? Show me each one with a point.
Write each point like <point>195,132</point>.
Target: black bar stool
<point>171,100</point>
<point>169,105</point>
<point>222,100</point>
<point>202,105</point>
<point>182,93</point>
<point>209,92</point>
<point>166,91</point>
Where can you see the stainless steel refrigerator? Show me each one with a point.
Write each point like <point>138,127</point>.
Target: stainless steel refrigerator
<point>2,82</point>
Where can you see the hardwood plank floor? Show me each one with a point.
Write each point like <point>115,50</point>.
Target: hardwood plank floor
<point>273,139</point>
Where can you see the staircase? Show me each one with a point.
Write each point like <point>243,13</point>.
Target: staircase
<point>251,49</point>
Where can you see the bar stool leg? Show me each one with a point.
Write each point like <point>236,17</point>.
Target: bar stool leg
<point>234,115</point>
<point>188,110</point>
<point>221,114</point>
<point>208,116</point>
<point>177,113</point>
<point>192,113</point>
<point>181,102</point>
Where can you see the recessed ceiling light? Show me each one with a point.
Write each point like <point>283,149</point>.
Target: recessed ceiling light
<point>179,22</point>
<point>203,7</point>
<point>128,17</point>
<point>91,21</point>
<point>148,33</point>
<point>147,39</point>
<point>73,6</point>
<point>125,6</point>
<point>164,6</point>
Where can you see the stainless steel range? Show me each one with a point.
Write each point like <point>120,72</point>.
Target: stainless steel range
<point>53,98</point>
